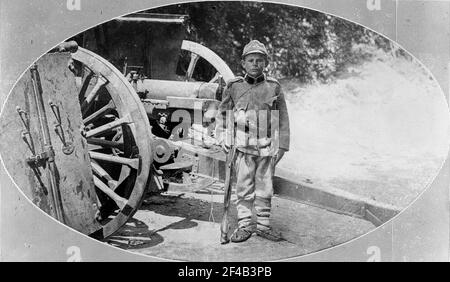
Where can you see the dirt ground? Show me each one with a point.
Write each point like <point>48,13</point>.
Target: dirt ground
<point>186,226</point>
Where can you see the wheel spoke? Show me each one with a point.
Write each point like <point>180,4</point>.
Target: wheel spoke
<point>133,163</point>
<point>85,84</point>
<point>192,64</point>
<point>120,202</point>
<point>94,147</point>
<point>103,110</point>
<point>103,173</point>
<point>105,143</point>
<point>124,173</point>
<point>92,94</point>
<point>107,127</point>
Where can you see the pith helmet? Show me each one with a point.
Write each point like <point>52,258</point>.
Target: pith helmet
<point>254,46</point>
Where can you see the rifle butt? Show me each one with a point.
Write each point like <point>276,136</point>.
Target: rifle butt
<point>224,227</point>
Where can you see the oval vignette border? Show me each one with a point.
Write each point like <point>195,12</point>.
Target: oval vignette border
<point>320,6</point>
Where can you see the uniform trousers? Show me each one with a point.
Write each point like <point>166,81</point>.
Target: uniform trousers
<point>254,188</point>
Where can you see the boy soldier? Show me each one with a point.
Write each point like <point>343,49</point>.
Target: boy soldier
<point>253,118</point>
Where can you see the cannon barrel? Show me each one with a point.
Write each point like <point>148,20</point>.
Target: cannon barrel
<point>168,94</point>
<point>161,89</point>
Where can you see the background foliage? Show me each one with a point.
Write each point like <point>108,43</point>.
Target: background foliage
<point>302,43</point>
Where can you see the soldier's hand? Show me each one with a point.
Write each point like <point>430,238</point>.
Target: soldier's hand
<point>226,147</point>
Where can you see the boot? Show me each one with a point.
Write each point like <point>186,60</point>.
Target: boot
<point>241,234</point>
<point>269,234</point>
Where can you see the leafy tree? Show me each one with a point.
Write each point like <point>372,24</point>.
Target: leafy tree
<point>302,43</point>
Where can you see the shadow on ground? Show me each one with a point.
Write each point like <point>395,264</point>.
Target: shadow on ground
<point>191,209</point>
<point>136,234</point>
<point>186,227</point>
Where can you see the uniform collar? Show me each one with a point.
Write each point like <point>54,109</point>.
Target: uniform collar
<point>252,80</point>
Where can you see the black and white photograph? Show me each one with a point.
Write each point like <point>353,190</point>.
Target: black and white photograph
<point>227,131</point>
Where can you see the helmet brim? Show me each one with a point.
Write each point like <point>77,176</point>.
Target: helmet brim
<point>255,52</point>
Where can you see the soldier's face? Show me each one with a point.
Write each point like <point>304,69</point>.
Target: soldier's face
<point>254,64</point>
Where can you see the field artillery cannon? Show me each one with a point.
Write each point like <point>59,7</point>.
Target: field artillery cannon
<point>118,128</point>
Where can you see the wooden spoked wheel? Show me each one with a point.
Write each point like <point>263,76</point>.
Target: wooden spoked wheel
<point>197,51</point>
<point>118,136</point>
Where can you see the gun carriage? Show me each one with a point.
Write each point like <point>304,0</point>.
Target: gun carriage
<point>132,108</point>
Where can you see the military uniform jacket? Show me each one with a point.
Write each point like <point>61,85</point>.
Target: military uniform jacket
<point>253,116</point>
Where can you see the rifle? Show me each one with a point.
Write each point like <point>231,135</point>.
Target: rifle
<point>224,226</point>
